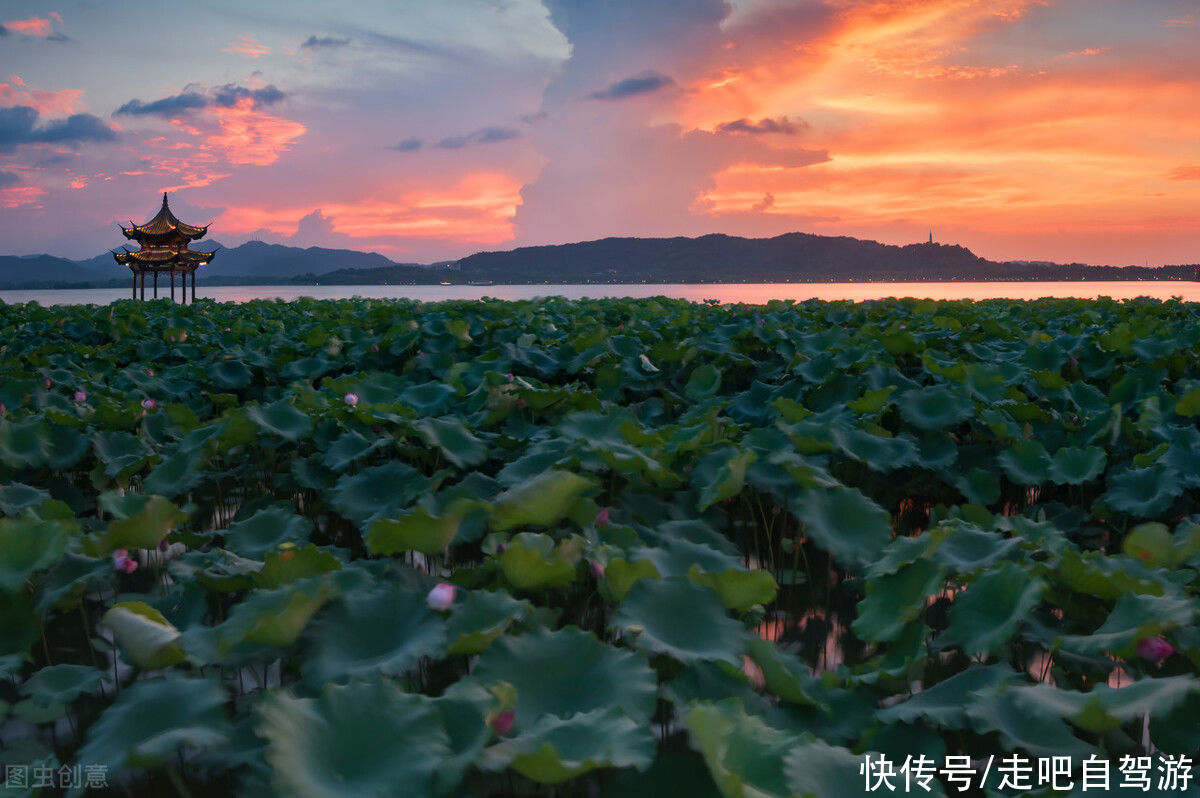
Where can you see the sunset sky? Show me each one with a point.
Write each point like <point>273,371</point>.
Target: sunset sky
<point>1023,129</point>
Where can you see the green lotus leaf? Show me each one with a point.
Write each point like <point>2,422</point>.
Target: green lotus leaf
<point>872,401</point>
<point>1095,574</point>
<point>1026,463</point>
<point>703,383</point>
<point>61,684</point>
<point>281,418</point>
<point>385,630</point>
<point>621,574</point>
<point>265,531</point>
<point>144,529</point>
<point>34,444</point>
<point>558,749</point>
<point>532,562</point>
<point>293,564</point>
<point>19,625</point>
<point>348,449</point>
<point>429,399</point>
<point>738,587</point>
<point>121,453</point>
<point>815,768</point>
<point>1132,618</point>
<point>480,618</point>
<point>979,486</point>
<point>934,407</point>
<point>380,490</point>
<point>152,719</point>
<point>1152,543</point>
<point>876,452</point>
<point>987,613</point>
<point>418,529</point>
<point>146,638</point>
<point>727,480</point>
<point>547,670</point>
<point>1075,466</point>
<point>453,439</point>
<point>944,704</point>
<point>360,740</point>
<point>1033,726</point>
<point>1144,492</point>
<point>16,497</point>
<point>964,549</point>
<point>28,545</point>
<point>176,474</point>
<point>1107,708</point>
<point>895,600</point>
<point>272,618</point>
<point>784,675</point>
<point>681,620</point>
<point>542,501</point>
<point>745,756</point>
<point>845,523</point>
<point>231,374</point>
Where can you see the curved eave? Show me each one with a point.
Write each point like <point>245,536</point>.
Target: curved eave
<point>164,261</point>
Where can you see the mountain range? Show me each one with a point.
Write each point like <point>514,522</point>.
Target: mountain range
<point>793,257</point>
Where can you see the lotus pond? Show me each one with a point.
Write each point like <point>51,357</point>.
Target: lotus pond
<point>601,547</point>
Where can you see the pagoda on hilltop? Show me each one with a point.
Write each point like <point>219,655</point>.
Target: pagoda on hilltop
<point>163,243</point>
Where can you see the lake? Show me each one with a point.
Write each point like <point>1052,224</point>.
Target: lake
<point>751,293</point>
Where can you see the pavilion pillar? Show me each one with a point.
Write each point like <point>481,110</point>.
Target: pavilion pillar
<point>172,285</point>
<point>156,283</point>
<point>193,285</point>
<point>133,274</point>
<point>143,286</point>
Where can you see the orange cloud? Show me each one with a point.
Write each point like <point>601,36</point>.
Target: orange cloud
<point>34,26</point>
<point>51,103</point>
<point>249,136</point>
<point>478,208</point>
<point>246,46</point>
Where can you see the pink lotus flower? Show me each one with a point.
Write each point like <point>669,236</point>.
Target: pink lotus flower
<point>1154,649</point>
<point>502,723</point>
<point>149,404</point>
<point>602,517</point>
<point>47,383</point>
<point>351,399</point>
<point>149,372</point>
<point>3,410</point>
<point>441,597</point>
<point>510,376</point>
<point>80,397</point>
<point>597,569</point>
<point>123,562</point>
<point>374,347</point>
<point>171,338</point>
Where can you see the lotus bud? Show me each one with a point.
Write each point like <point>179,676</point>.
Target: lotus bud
<point>123,562</point>
<point>597,569</point>
<point>441,597</point>
<point>1154,649</point>
<point>47,383</point>
<point>602,517</point>
<point>149,404</point>
<point>502,722</point>
<point>149,372</point>
<point>351,399</point>
<point>80,397</point>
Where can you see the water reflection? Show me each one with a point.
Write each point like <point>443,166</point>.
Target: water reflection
<point>750,293</point>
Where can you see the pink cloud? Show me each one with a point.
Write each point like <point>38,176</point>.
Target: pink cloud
<point>51,103</point>
<point>246,46</point>
<point>34,26</point>
<point>246,135</point>
<point>17,196</point>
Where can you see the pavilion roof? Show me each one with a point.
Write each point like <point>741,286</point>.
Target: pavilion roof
<point>164,225</point>
<point>163,258</point>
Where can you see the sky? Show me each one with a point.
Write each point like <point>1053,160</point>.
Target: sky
<point>1065,130</point>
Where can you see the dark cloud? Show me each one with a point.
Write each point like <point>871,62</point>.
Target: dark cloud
<point>315,42</point>
<point>763,204</point>
<point>9,178</point>
<point>641,83</point>
<point>782,125</point>
<point>3,31</point>
<point>485,135</point>
<point>409,145</point>
<point>18,125</point>
<point>225,96</point>
<point>489,135</point>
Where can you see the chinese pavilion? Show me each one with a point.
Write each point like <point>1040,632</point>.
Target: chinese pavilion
<point>164,248</point>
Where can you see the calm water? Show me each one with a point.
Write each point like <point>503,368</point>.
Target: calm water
<point>753,293</point>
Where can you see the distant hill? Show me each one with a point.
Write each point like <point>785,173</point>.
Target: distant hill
<point>794,257</point>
